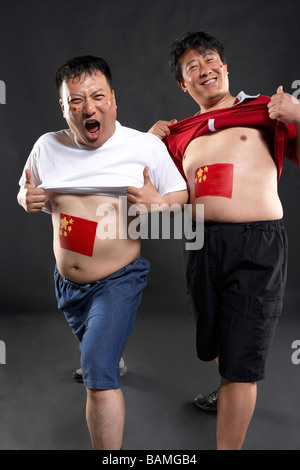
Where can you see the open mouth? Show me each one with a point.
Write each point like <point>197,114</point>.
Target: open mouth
<point>93,128</point>
<point>212,81</point>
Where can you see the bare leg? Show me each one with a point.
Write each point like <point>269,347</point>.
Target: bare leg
<point>105,415</point>
<point>236,403</point>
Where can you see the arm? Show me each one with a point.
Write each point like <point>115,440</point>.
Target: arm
<point>161,128</point>
<point>284,107</point>
<point>31,198</point>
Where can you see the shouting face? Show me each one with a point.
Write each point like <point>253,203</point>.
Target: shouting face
<point>89,107</point>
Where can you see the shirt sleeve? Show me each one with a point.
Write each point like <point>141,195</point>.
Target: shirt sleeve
<point>164,174</point>
<point>32,164</point>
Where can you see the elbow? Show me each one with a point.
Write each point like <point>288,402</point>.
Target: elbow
<point>183,197</point>
<point>21,199</point>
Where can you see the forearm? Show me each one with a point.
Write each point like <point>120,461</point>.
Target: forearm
<point>285,108</point>
<point>176,197</point>
<point>32,199</point>
<point>21,197</point>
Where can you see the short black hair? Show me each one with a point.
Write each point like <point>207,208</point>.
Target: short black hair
<point>81,65</point>
<point>193,40</point>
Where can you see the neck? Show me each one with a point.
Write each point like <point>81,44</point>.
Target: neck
<point>225,101</point>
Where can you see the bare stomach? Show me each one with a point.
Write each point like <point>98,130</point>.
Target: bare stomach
<point>232,173</point>
<point>90,239</point>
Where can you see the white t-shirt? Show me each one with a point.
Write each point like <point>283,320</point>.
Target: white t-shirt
<point>59,163</point>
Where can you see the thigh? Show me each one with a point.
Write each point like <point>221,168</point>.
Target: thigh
<point>110,321</point>
<point>199,273</point>
<point>251,305</point>
<point>107,328</point>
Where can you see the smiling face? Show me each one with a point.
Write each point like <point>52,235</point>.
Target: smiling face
<point>89,107</point>
<point>205,77</point>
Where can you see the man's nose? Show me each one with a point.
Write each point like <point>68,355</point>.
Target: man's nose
<point>89,107</point>
<point>205,70</point>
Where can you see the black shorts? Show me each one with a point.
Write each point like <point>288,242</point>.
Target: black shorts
<point>235,287</point>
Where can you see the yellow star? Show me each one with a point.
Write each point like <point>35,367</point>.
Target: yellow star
<point>69,228</point>
<point>204,178</point>
<point>64,223</point>
<point>65,234</point>
<point>71,221</point>
<point>199,173</point>
<point>206,169</point>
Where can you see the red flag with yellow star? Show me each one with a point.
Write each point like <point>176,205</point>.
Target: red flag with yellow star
<point>76,234</point>
<point>251,112</point>
<point>214,180</point>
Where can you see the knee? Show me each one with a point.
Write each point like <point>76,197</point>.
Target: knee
<point>100,395</point>
<point>229,382</point>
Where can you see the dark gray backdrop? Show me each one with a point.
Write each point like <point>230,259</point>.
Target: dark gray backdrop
<point>40,407</point>
<point>262,47</point>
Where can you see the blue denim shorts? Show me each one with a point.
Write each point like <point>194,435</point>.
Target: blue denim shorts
<point>102,316</point>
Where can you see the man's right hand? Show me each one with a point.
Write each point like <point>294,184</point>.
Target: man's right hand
<point>31,198</point>
<point>161,128</point>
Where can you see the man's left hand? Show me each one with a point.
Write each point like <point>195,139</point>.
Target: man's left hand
<point>144,196</point>
<point>284,107</point>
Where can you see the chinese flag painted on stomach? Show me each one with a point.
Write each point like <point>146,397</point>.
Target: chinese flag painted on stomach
<point>76,234</point>
<point>214,180</point>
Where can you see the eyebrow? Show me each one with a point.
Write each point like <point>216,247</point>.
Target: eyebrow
<point>93,93</point>
<point>190,62</point>
<point>208,53</point>
<point>205,54</point>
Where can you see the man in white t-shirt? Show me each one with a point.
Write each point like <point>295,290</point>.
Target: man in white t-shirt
<point>76,175</point>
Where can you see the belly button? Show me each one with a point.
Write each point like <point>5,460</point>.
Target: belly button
<point>244,138</point>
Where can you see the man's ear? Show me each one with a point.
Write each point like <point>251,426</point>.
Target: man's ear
<point>62,107</point>
<point>183,86</point>
<point>114,98</point>
<point>225,68</point>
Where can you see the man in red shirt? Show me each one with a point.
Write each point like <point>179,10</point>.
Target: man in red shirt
<point>231,155</point>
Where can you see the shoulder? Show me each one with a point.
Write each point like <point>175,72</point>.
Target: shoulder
<point>243,98</point>
<point>49,140</point>
<point>61,136</point>
<point>147,140</point>
<point>262,99</point>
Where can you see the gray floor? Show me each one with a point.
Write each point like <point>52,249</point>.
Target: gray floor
<point>41,408</point>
